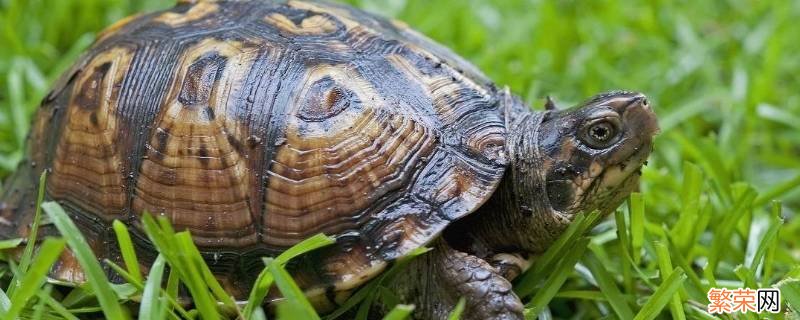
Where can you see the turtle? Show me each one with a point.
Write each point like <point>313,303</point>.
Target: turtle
<point>256,124</point>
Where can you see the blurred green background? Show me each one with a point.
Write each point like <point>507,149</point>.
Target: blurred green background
<point>724,77</point>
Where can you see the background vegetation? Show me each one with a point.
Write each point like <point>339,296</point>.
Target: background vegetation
<point>723,76</point>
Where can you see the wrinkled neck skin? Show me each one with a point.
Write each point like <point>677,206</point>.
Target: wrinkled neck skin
<point>518,216</point>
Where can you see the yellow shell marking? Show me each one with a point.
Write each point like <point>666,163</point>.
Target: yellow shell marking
<point>316,24</point>
<point>341,15</point>
<point>196,12</point>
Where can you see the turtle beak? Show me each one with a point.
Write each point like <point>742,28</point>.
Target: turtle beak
<point>642,114</point>
<point>637,114</point>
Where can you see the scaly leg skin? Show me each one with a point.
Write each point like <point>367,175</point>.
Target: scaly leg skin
<point>435,281</point>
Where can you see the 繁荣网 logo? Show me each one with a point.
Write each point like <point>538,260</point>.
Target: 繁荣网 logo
<point>743,300</point>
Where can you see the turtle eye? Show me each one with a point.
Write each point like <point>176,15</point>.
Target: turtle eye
<point>600,134</point>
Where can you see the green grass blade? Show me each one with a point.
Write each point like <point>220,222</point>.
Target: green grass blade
<point>127,250</point>
<point>32,281</point>
<point>695,312</point>
<point>458,310</point>
<point>10,243</point>
<point>636,209</point>
<point>140,287</point>
<point>193,254</point>
<point>665,266</point>
<point>769,256</point>
<point>388,297</point>
<point>291,292</point>
<point>88,262</point>
<point>399,312</point>
<point>777,191</point>
<point>557,277</point>
<point>79,296</point>
<point>192,276</point>
<point>699,289</point>
<point>790,291</point>
<point>700,227</point>
<point>691,189</point>
<point>608,287</point>
<point>265,278</point>
<point>315,242</point>
<point>258,293</point>
<point>25,260</point>
<point>5,302</point>
<point>151,301</point>
<point>363,309</point>
<point>625,247</point>
<point>126,291</point>
<point>259,314</point>
<point>527,282</point>
<point>86,310</point>
<point>727,226</point>
<point>361,294</point>
<point>170,245</point>
<point>746,276</point>
<point>125,274</point>
<point>289,310</point>
<point>39,308</point>
<point>767,241</point>
<point>58,308</point>
<point>582,294</point>
<point>652,308</point>
<point>402,262</point>
<point>365,294</point>
<point>173,283</point>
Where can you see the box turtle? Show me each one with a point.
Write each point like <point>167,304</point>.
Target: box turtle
<point>256,124</point>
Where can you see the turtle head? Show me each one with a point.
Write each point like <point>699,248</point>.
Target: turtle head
<point>592,154</point>
<point>562,162</point>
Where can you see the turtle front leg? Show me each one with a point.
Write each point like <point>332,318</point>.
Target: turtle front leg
<point>437,280</point>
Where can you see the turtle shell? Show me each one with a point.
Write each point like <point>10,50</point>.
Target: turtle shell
<point>257,124</point>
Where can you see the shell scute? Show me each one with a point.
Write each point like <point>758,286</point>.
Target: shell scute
<point>192,172</point>
<point>86,167</point>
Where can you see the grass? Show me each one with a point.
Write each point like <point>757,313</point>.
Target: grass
<point>721,74</point>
